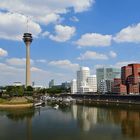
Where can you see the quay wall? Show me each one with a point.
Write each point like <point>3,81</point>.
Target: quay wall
<point>122,99</point>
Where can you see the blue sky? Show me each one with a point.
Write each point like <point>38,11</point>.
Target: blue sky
<point>67,34</point>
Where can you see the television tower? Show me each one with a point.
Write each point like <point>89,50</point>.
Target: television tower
<point>27,38</point>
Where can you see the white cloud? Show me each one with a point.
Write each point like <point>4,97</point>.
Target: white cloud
<point>46,11</point>
<point>129,34</point>
<point>18,61</point>
<point>94,40</point>
<point>35,69</point>
<point>3,52</point>
<point>11,20</point>
<point>124,63</point>
<point>45,34</point>
<point>9,70</point>
<point>80,6</point>
<point>113,54</point>
<point>116,65</point>
<point>64,64</point>
<point>46,6</point>
<point>62,33</point>
<point>49,18</point>
<point>98,66</point>
<point>93,56</point>
<point>10,74</point>
<point>41,61</point>
<point>74,19</point>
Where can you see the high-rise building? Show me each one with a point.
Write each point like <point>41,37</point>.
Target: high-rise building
<point>105,77</point>
<point>74,86</point>
<point>51,83</point>
<point>27,38</point>
<point>84,88</point>
<point>130,76</point>
<point>130,80</point>
<point>82,76</point>
<point>102,86</point>
<point>118,87</point>
<point>92,83</point>
<point>66,85</point>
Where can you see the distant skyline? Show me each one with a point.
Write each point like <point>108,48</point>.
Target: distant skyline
<point>67,34</point>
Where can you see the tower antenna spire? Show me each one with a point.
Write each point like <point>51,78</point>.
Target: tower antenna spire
<point>27,24</point>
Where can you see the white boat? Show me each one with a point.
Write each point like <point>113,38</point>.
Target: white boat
<point>53,99</point>
<point>56,106</point>
<point>68,100</point>
<point>39,103</point>
<point>59,99</point>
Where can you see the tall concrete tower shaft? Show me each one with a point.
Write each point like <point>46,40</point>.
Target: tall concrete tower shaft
<point>27,38</point>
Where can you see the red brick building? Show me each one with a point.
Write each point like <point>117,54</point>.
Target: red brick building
<point>125,72</point>
<point>130,80</point>
<point>118,87</point>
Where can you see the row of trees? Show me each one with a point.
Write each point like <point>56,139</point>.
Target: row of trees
<point>21,90</point>
<point>57,90</point>
<point>17,91</point>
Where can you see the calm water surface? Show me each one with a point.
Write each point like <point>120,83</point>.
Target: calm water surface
<point>76,122</point>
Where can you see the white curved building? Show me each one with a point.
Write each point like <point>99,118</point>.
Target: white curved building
<point>82,76</point>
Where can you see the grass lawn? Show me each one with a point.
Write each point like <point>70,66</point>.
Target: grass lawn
<point>2,100</point>
<point>15,100</point>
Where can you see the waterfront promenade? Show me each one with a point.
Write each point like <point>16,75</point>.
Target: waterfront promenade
<point>106,98</point>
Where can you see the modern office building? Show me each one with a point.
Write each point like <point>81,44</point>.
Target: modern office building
<point>51,83</point>
<point>82,76</point>
<point>66,85</point>
<point>131,78</point>
<point>84,89</point>
<point>92,83</point>
<point>105,77</point>
<point>102,86</point>
<point>85,82</point>
<point>74,86</point>
<point>118,87</point>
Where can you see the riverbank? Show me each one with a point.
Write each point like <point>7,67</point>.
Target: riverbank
<point>106,98</point>
<point>28,105</point>
<point>16,102</point>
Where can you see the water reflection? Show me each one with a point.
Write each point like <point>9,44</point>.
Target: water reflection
<point>72,122</point>
<point>85,116</point>
<point>24,115</point>
<point>90,117</point>
<point>29,129</point>
<point>20,114</point>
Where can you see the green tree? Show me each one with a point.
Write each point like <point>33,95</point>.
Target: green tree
<point>29,90</point>
<point>15,90</point>
<point>57,90</point>
<point>20,90</point>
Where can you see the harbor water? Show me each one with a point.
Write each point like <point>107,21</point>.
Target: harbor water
<point>74,122</point>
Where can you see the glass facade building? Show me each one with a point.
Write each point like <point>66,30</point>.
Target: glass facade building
<point>106,74</point>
